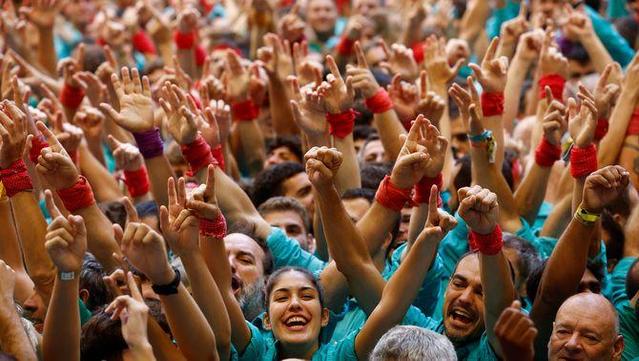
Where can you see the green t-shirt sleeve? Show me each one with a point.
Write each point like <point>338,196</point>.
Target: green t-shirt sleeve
<point>343,349</point>
<point>629,328</point>
<point>618,280</point>
<point>288,252</point>
<point>257,347</point>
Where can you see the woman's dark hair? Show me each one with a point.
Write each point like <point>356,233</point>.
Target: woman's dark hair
<point>272,280</point>
<point>528,257</point>
<point>102,338</point>
<point>91,280</point>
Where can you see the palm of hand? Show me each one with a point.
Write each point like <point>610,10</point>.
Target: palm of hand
<point>437,159</point>
<point>495,77</point>
<point>439,72</point>
<point>43,17</point>
<point>68,259</point>
<point>9,153</point>
<point>404,65</point>
<point>313,120</point>
<point>136,112</point>
<point>406,175</point>
<point>337,99</point>
<point>184,240</point>
<point>581,130</point>
<point>146,256</point>
<point>180,129</point>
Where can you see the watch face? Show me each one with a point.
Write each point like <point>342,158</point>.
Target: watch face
<point>67,276</point>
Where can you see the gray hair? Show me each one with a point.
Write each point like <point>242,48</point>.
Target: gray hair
<point>412,343</point>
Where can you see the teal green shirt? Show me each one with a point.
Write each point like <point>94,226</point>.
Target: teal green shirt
<point>629,328</point>
<point>264,347</point>
<point>618,281</point>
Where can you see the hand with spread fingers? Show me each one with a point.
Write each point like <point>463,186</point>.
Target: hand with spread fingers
<point>182,115</point>
<point>430,104</point>
<point>492,73</point>
<point>54,163</point>
<point>336,93</point>
<point>308,110</point>
<point>13,130</point>
<point>134,97</point>
<point>179,224</point>
<point>440,73</point>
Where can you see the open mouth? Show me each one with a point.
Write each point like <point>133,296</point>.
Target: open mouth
<point>236,284</point>
<point>296,323</point>
<point>461,316</point>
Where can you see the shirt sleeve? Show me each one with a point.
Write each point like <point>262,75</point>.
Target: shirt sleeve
<point>288,252</point>
<point>343,349</point>
<point>618,280</point>
<point>257,347</point>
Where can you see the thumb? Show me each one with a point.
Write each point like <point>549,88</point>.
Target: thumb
<point>113,143</point>
<point>412,158</point>
<point>516,304</point>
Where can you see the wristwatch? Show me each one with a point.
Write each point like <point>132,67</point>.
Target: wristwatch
<point>171,288</point>
<point>67,276</point>
<point>585,217</point>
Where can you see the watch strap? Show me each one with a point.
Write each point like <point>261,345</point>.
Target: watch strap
<point>171,288</point>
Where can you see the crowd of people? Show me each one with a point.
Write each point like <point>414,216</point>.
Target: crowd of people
<point>319,180</point>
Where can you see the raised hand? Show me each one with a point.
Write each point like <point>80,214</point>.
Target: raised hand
<point>291,26</point>
<point>277,57</point>
<point>13,129</point>
<point>307,70</point>
<point>492,73</point>
<point>430,104</point>
<point>66,238</point>
<point>93,87</point>
<point>236,78</point>
<point>127,156</point>
<point>529,45</point>
<point>466,99</point>
<point>308,110</point>
<point>91,121</point>
<point>404,96</point>
<point>178,224</point>
<point>187,20</point>
<point>42,13</point>
<point>603,187</point>
<point>54,163</point>
<point>551,61</point>
<point>136,105</point>
<point>582,120</point>
<point>144,248</point>
<point>516,334</point>
<point>577,25</point>
<point>133,314</point>
<point>68,135</point>
<point>437,218</point>
<point>336,94</point>
<point>440,73</point>
<point>479,208</point>
<point>362,78</point>
<point>322,163</point>
<point>182,116</point>
<point>606,92</point>
<point>554,123</point>
<point>203,203</point>
<point>399,60</point>
<point>413,159</point>
<point>512,29</point>
<point>70,67</point>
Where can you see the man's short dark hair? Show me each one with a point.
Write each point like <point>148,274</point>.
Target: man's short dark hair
<point>102,338</point>
<point>248,229</point>
<point>114,211</point>
<point>275,204</point>
<point>354,193</point>
<point>291,143</point>
<point>268,183</point>
<point>91,280</point>
<point>372,174</point>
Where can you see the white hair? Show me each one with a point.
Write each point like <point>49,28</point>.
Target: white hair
<point>412,343</point>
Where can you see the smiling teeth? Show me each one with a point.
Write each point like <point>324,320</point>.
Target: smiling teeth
<point>295,320</point>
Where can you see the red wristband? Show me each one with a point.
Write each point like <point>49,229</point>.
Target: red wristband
<point>583,161</point>
<point>602,128</point>
<point>489,244</point>
<point>392,197</point>
<point>200,55</point>
<point>137,182</point>
<point>37,144</point>
<point>184,41</point>
<point>143,43</point>
<point>492,104</point>
<point>198,154</point>
<point>219,157</point>
<point>633,126</point>
<point>341,124</point>
<point>345,46</point>
<point>71,97</point>
<point>15,178</point>
<point>556,83</point>
<point>77,196</point>
<point>245,111</point>
<point>215,229</point>
<point>380,102</point>
<point>422,189</point>
<point>547,153</point>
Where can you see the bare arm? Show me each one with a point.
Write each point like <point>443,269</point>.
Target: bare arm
<point>13,339</point>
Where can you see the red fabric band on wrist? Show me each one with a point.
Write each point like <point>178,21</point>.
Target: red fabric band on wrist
<point>245,111</point>
<point>488,244</point>
<point>583,161</point>
<point>37,144</point>
<point>198,154</point>
<point>633,126</point>
<point>200,55</point>
<point>422,189</point>
<point>71,97</point>
<point>15,178</point>
<point>78,196</point>
<point>392,197</point>
<point>137,182</point>
<point>556,83</point>
<point>345,46</point>
<point>143,43</point>
<point>184,41</point>
<point>218,154</point>
<point>380,102</point>
<point>547,153</point>
<point>215,229</point>
<point>341,124</point>
<point>492,104</point>
<point>602,129</point>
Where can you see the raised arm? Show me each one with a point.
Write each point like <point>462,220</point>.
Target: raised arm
<point>479,208</point>
<point>66,243</point>
<point>516,334</point>
<point>13,339</point>
<point>181,223</point>
<point>42,15</point>
<point>401,289</point>
<point>578,26</point>
<point>144,248</point>
<point>567,264</point>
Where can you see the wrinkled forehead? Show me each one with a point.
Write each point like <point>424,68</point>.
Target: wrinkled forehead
<point>588,310</point>
<point>238,242</point>
<point>468,267</point>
